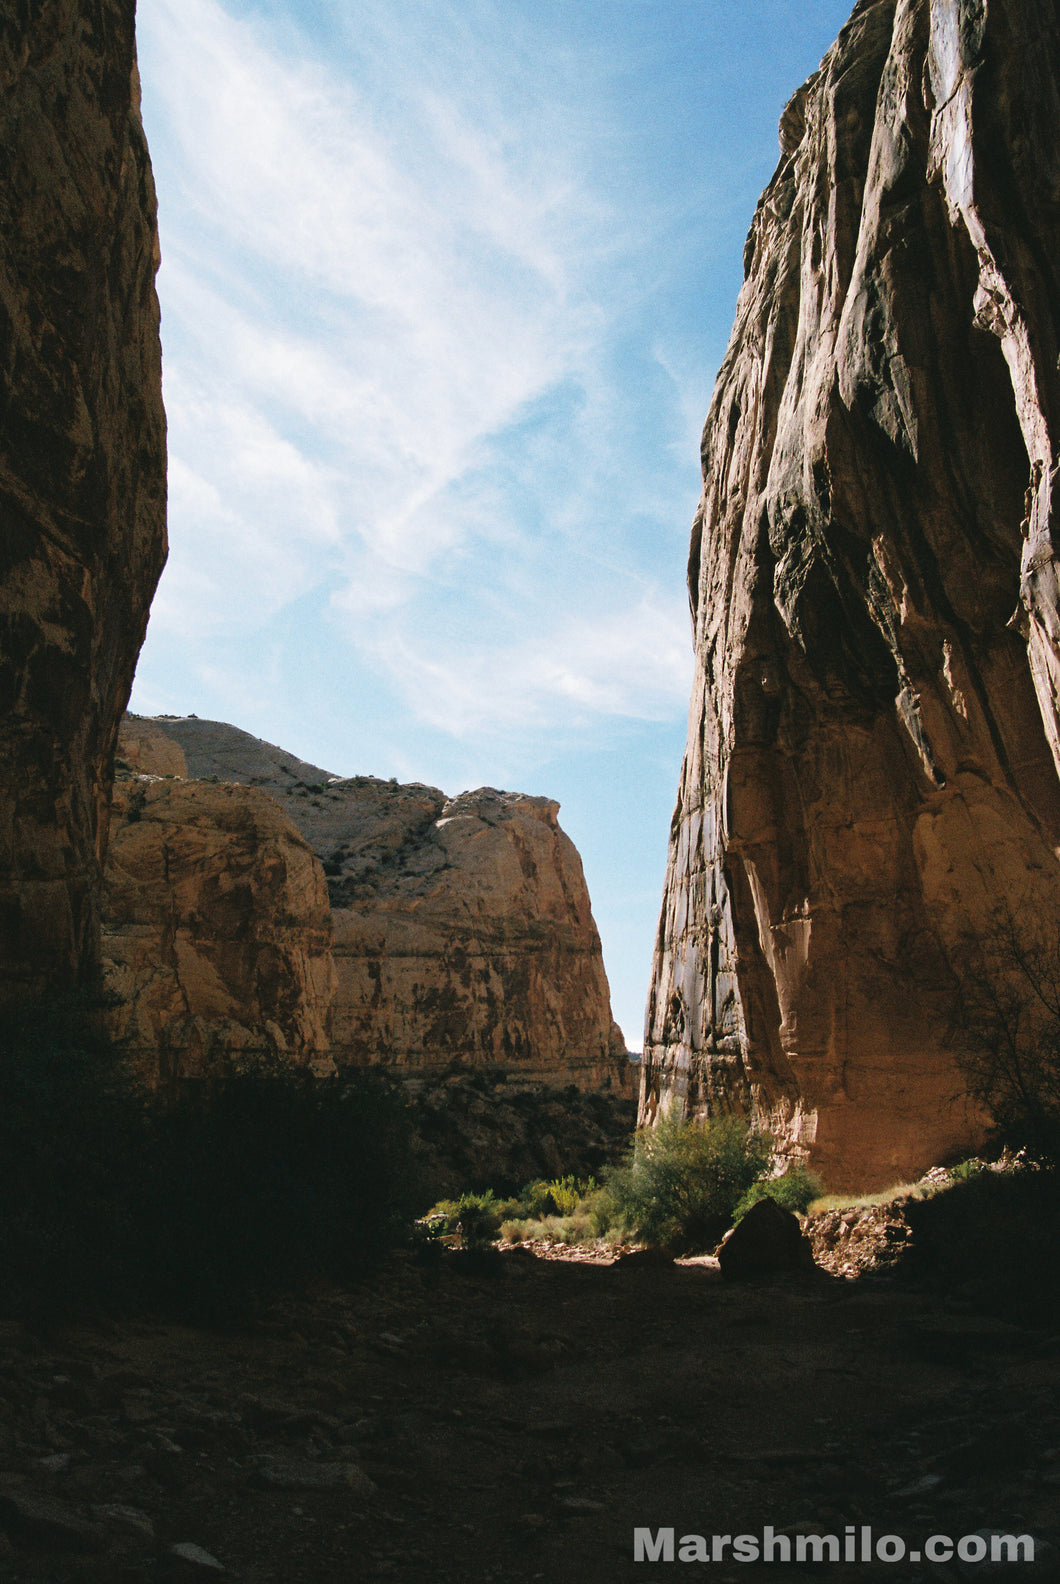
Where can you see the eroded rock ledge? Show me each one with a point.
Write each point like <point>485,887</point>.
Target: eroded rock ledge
<point>871,769</point>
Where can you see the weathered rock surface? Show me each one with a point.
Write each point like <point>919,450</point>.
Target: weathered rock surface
<point>871,769</point>
<point>216,930</point>
<point>462,927</point>
<point>82,463</point>
<point>144,748</point>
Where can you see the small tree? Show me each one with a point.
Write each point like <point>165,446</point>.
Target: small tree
<point>1008,1020</point>
<point>684,1179</point>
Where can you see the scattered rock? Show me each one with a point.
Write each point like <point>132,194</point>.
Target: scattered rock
<point>194,1555</point>
<point>303,1475</point>
<point>44,1523</point>
<point>128,1518</point>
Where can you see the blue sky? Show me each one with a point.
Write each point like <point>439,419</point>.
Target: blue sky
<point>445,287</point>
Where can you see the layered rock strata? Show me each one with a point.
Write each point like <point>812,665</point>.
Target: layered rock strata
<point>463,935</point>
<point>82,464</point>
<point>216,929</point>
<point>871,770</point>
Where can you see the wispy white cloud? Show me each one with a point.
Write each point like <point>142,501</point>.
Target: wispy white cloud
<point>385,338</point>
<point>631,664</point>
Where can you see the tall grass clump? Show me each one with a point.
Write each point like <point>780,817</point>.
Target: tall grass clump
<point>684,1180</point>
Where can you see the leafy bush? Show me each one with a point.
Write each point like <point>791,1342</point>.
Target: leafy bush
<point>684,1180</point>
<point>264,1178</point>
<point>795,1191</point>
<point>477,1216</point>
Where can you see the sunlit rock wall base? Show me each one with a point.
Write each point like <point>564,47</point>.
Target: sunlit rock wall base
<point>463,935</point>
<point>82,464</point>
<point>871,769</point>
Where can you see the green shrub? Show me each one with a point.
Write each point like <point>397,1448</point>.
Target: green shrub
<point>684,1180</point>
<point>477,1216</point>
<point>966,1169</point>
<point>795,1191</point>
<point>560,1197</point>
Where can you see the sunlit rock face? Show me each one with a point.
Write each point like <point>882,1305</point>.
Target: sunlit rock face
<point>216,930</point>
<point>871,768</point>
<point>82,464</point>
<point>463,934</point>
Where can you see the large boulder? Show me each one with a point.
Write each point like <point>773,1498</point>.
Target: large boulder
<point>767,1242</point>
<point>82,464</point>
<point>871,771</point>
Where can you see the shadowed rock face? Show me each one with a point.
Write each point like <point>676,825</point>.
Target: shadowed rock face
<point>871,768</point>
<point>462,927</point>
<point>82,463</point>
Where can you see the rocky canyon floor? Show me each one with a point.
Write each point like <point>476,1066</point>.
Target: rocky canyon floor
<point>515,1418</point>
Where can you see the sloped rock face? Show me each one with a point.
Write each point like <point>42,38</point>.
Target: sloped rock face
<point>144,748</point>
<point>463,933</point>
<point>871,769</point>
<point>82,464</point>
<point>216,930</point>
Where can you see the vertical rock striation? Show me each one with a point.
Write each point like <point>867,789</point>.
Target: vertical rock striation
<point>82,463</point>
<point>871,768</point>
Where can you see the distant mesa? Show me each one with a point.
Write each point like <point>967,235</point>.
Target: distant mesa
<point>455,932</point>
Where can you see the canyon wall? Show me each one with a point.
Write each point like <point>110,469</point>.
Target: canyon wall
<point>871,769</point>
<point>462,931</point>
<point>82,465</point>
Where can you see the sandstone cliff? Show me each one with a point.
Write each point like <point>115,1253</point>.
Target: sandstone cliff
<point>872,759</point>
<point>463,933</point>
<point>216,928</point>
<point>82,464</point>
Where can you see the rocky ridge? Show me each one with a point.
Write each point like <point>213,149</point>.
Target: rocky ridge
<point>462,930</point>
<point>82,465</point>
<point>871,770</point>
